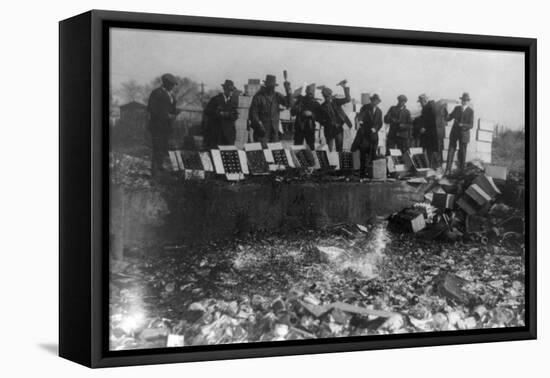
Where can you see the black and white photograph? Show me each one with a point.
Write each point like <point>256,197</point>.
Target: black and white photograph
<point>266,189</point>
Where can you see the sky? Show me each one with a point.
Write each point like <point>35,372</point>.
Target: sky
<point>494,79</point>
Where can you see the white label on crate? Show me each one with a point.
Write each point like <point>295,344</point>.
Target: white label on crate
<point>173,160</point>
<point>179,159</point>
<point>217,159</point>
<point>252,146</point>
<point>244,162</point>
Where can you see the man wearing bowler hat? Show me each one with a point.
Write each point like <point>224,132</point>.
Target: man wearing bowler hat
<point>265,108</point>
<point>220,115</point>
<point>399,119</point>
<point>162,112</point>
<point>463,117</point>
<point>366,139</point>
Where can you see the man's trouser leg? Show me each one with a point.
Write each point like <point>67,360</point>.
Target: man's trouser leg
<point>298,137</point>
<point>330,143</point>
<point>363,157</point>
<point>462,149</point>
<point>339,141</point>
<point>159,153</point>
<point>403,144</point>
<point>310,139</point>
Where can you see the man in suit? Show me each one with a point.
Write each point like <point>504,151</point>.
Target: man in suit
<point>332,117</point>
<point>220,114</point>
<point>306,110</point>
<point>265,108</point>
<point>366,140</point>
<point>463,117</point>
<point>162,112</point>
<point>428,129</point>
<point>399,119</point>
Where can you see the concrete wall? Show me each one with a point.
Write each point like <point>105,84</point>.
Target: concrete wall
<point>196,212</point>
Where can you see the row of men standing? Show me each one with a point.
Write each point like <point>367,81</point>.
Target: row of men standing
<point>220,114</point>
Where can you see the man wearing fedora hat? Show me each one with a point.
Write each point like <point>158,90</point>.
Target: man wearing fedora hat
<point>463,117</point>
<point>220,115</point>
<point>265,108</point>
<point>399,119</point>
<point>366,139</point>
<point>306,110</point>
<point>162,112</point>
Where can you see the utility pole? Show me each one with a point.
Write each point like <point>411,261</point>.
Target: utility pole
<point>202,94</point>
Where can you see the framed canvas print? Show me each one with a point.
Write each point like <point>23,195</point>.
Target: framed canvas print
<point>235,188</point>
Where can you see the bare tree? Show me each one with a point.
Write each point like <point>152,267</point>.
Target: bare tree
<point>132,91</point>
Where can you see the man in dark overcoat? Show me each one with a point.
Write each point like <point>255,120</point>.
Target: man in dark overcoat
<point>306,110</point>
<point>463,121</point>
<point>366,139</point>
<point>400,125</point>
<point>332,117</point>
<point>220,115</point>
<point>428,129</point>
<point>265,108</point>
<point>162,112</point>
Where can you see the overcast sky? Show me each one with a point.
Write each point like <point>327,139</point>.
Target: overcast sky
<point>494,79</point>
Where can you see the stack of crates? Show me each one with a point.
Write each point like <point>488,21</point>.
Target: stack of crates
<point>481,140</point>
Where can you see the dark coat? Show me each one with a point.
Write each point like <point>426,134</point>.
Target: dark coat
<point>220,116</point>
<point>428,139</point>
<point>400,122</point>
<point>265,108</point>
<point>332,117</point>
<point>302,122</point>
<point>162,111</point>
<point>371,118</point>
<point>463,123</point>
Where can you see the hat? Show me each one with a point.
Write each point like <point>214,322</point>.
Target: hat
<point>168,78</point>
<point>326,91</point>
<point>402,98</point>
<point>423,96</point>
<point>270,80</point>
<point>375,97</point>
<point>228,83</point>
<point>465,96</point>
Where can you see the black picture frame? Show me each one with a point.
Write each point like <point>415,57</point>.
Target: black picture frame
<point>84,190</point>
